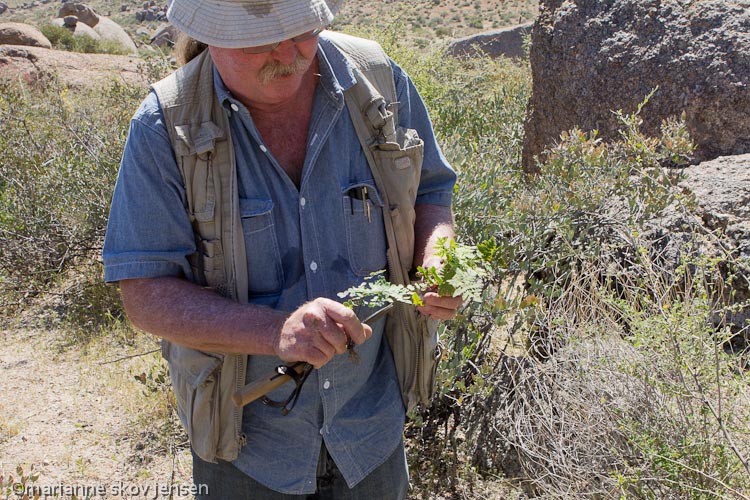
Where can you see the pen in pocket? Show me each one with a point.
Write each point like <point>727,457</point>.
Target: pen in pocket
<point>360,193</point>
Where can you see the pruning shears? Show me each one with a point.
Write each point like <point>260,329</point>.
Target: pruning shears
<point>283,373</point>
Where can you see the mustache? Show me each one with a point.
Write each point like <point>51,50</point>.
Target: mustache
<point>274,69</point>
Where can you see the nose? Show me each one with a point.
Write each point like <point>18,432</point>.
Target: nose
<point>286,52</point>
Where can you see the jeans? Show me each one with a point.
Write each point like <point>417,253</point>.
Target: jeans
<point>389,481</point>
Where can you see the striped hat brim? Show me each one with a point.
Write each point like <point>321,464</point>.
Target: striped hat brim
<point>249,23</point>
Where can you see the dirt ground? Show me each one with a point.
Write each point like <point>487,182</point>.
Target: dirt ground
<point>76,416</point>
<point>84,423</point>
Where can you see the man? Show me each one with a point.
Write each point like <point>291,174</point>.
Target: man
<point>312,225</point>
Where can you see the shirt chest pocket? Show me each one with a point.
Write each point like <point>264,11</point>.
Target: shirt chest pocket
<point>262,247</point>
<point>365,233</point>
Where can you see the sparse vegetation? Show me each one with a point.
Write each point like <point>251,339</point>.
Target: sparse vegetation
<point>62,38</point>
<point>60,156</point>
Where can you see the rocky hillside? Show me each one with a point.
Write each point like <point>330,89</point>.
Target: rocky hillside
<point>33,63</point>
<point>422,20</point>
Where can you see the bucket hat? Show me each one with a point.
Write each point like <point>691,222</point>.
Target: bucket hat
<point>236,24</point>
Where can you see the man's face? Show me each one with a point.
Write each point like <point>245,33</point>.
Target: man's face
<point>266,79</point>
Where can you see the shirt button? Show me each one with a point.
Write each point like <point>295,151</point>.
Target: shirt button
<point>313,266</point>
<point>302,202</point>
<point>234,107</point>
<point>327,384</point>
<point>263,148</point>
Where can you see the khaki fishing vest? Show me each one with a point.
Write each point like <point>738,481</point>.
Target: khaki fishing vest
<point>199,131</point>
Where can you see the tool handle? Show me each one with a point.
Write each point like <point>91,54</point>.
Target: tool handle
<point>264,385</point>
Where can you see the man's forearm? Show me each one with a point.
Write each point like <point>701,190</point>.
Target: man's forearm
<point>432,222</point>
<point>189,315</point>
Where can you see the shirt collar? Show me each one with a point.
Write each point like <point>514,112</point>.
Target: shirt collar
<point>340,66</point>
<point>222,92</point>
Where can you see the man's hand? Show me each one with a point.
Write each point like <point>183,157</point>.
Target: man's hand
<point>319,330</point>
<point>439,307</point>
<point>432,223</point>
<point>435,305</point>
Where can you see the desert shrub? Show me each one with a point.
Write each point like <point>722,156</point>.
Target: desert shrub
<point>62,38</point>
<point>545,381</point>
<point>475,22</point>
<point>60,154</point>
<point>442,31</point>
<point>587,408</point>
<point>648,407</point>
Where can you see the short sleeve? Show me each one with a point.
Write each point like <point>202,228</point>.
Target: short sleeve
<point>438,177</point>
<point>148,232</point>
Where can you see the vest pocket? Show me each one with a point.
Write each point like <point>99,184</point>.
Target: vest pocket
<point>195,379</point>
<point>414,342</point>
<point>266,275</point>
<point>365,234</point>
<point>401,166</point>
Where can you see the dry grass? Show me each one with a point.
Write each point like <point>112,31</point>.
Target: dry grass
<point>626,403</point>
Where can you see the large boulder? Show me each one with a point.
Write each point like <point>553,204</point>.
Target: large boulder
<point>34,64</point>
<point>506,42</point>
<point>717,228</point>
<point>589,58</point>
<point>721,188</point>
<point>84,13</point>
<point>78,28</point>
<point>22,34</point>
<point>104,26</point>
<point>110,30</point>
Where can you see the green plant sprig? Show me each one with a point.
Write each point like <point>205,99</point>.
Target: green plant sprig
<point>462,273</point>
<point>463,270</point>
<point>377,291</point>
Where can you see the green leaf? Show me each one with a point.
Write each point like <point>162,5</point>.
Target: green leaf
<point>463,273</point>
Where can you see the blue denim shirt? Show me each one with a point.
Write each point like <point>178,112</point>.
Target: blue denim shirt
<point>303,243</point>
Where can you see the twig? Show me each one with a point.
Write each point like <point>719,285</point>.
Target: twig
<point>720,420</point>
<point>116,360</point>
<point>702,474</point>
